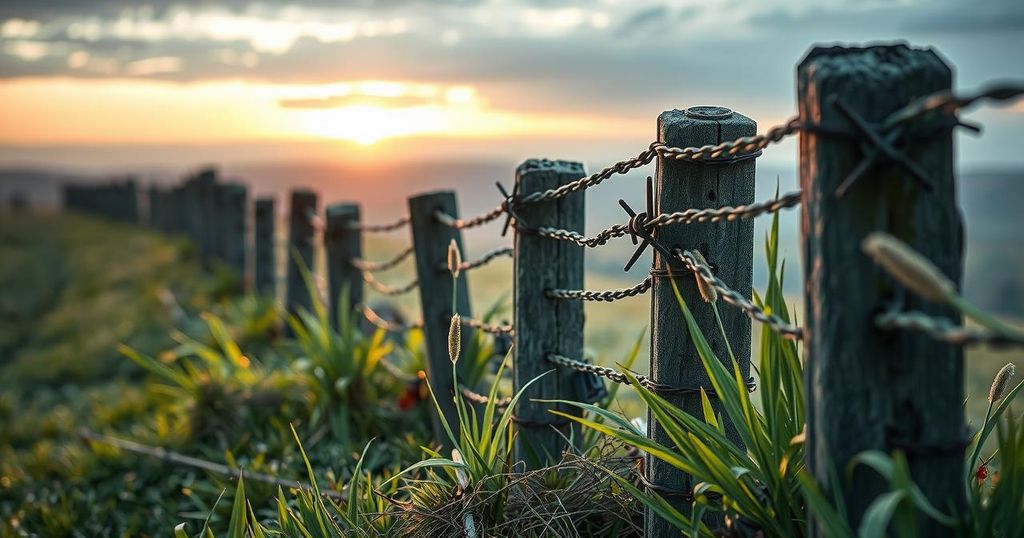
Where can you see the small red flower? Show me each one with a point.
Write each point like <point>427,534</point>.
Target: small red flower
<point>982,473</point>
<point>410,396</point>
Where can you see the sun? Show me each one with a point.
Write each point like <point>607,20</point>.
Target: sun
<point>368,124</point>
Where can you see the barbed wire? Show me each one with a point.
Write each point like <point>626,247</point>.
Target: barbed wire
<point>483,399</point>
<point>726,213</point>
<point>600,239</point>
<point>944,330</point>
<point>374,318</point>
<point>731,148</point>
<point>490,328</point>
<point>382,228</point>
<point>734,298</point>
<point>365,265</point>
<point>605,296</point>
<point>482,260</point>
<point>948,102</point>
<point>463,224</point>
<point>689,216</point>
<point>619,377</point>
<point>397,372</point>
<point>386,289</point>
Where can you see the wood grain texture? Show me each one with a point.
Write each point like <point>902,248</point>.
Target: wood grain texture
<point>264,255</point>
<point>343,242</point>
<point>300,243</point>
<point>430,241</point>
<point>869,390</point>
<point>728,248</point>
<point>544,325</point>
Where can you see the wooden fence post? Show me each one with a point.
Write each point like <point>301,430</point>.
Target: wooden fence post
<point>430,240</point>
<point>264,255</point>
<point>544,325</point>
<point>867,389</point>
<point>300,243</point>
<point>233,222</point>
<point>343,242</point>
<point>728,248</point>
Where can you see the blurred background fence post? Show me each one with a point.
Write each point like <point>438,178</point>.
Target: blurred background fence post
<point>264,255</point>
<point>234,230</point>
<point>343,243</point>
<point>430,240</point>
<point>870,390</point>
<point>544,325</point>
<point>301,216</point>
<point>728,249</point>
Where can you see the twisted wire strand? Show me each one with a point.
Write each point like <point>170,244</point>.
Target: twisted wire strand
<point>734,298</point>
<point>605,296</point>
<point>483,399</point>
<point>482,260</point>
<point>381,228</point>
<point>619,377</point>
<point>463,224</point>
<point>740,146</point>
<point>374,318</point>
<point>487,327</point>
<point>316,221</point>
<point>365,265</point>
<point>948,102</point>
<point>386,289</point>
<point>943,330</point>
<point>731,148</point>
<point>726,213</point>
<point>600,239</point>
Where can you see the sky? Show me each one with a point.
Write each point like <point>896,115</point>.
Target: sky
<point>113,83</point>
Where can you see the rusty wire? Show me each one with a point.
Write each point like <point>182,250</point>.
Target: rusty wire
<point>947,102</point>
<point>490,328</point>
<point>482,260</point>
<point>381,228</point>
<point>944,330</point>
<point>731,296</point>
<point>386,289</point>
<point>374,318</point>
<point>463,224</point>
<point>365,265</point>
<point>619,377</point>
<point>604,296</point>
<point>483,399</point>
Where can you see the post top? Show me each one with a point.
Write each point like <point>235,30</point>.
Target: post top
<point>548,165</point>
<point>343,209</point>
<point>707,112</point>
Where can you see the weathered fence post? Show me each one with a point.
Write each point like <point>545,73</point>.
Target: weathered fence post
<point>544,325</point>
<point>300,249</point>
<point>265,258</point>
<point>232,218</point>
<point>343,243</point>
<point>728,248</point>
<point>430,239</point>
<point>867,389</point>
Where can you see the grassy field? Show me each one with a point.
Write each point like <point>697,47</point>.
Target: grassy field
<point>75,289</point>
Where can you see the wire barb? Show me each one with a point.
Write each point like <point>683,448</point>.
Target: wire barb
<point>605,296</point>
<point>944,330</point>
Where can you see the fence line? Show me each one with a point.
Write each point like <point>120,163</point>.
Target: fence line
<point>714,149</point>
